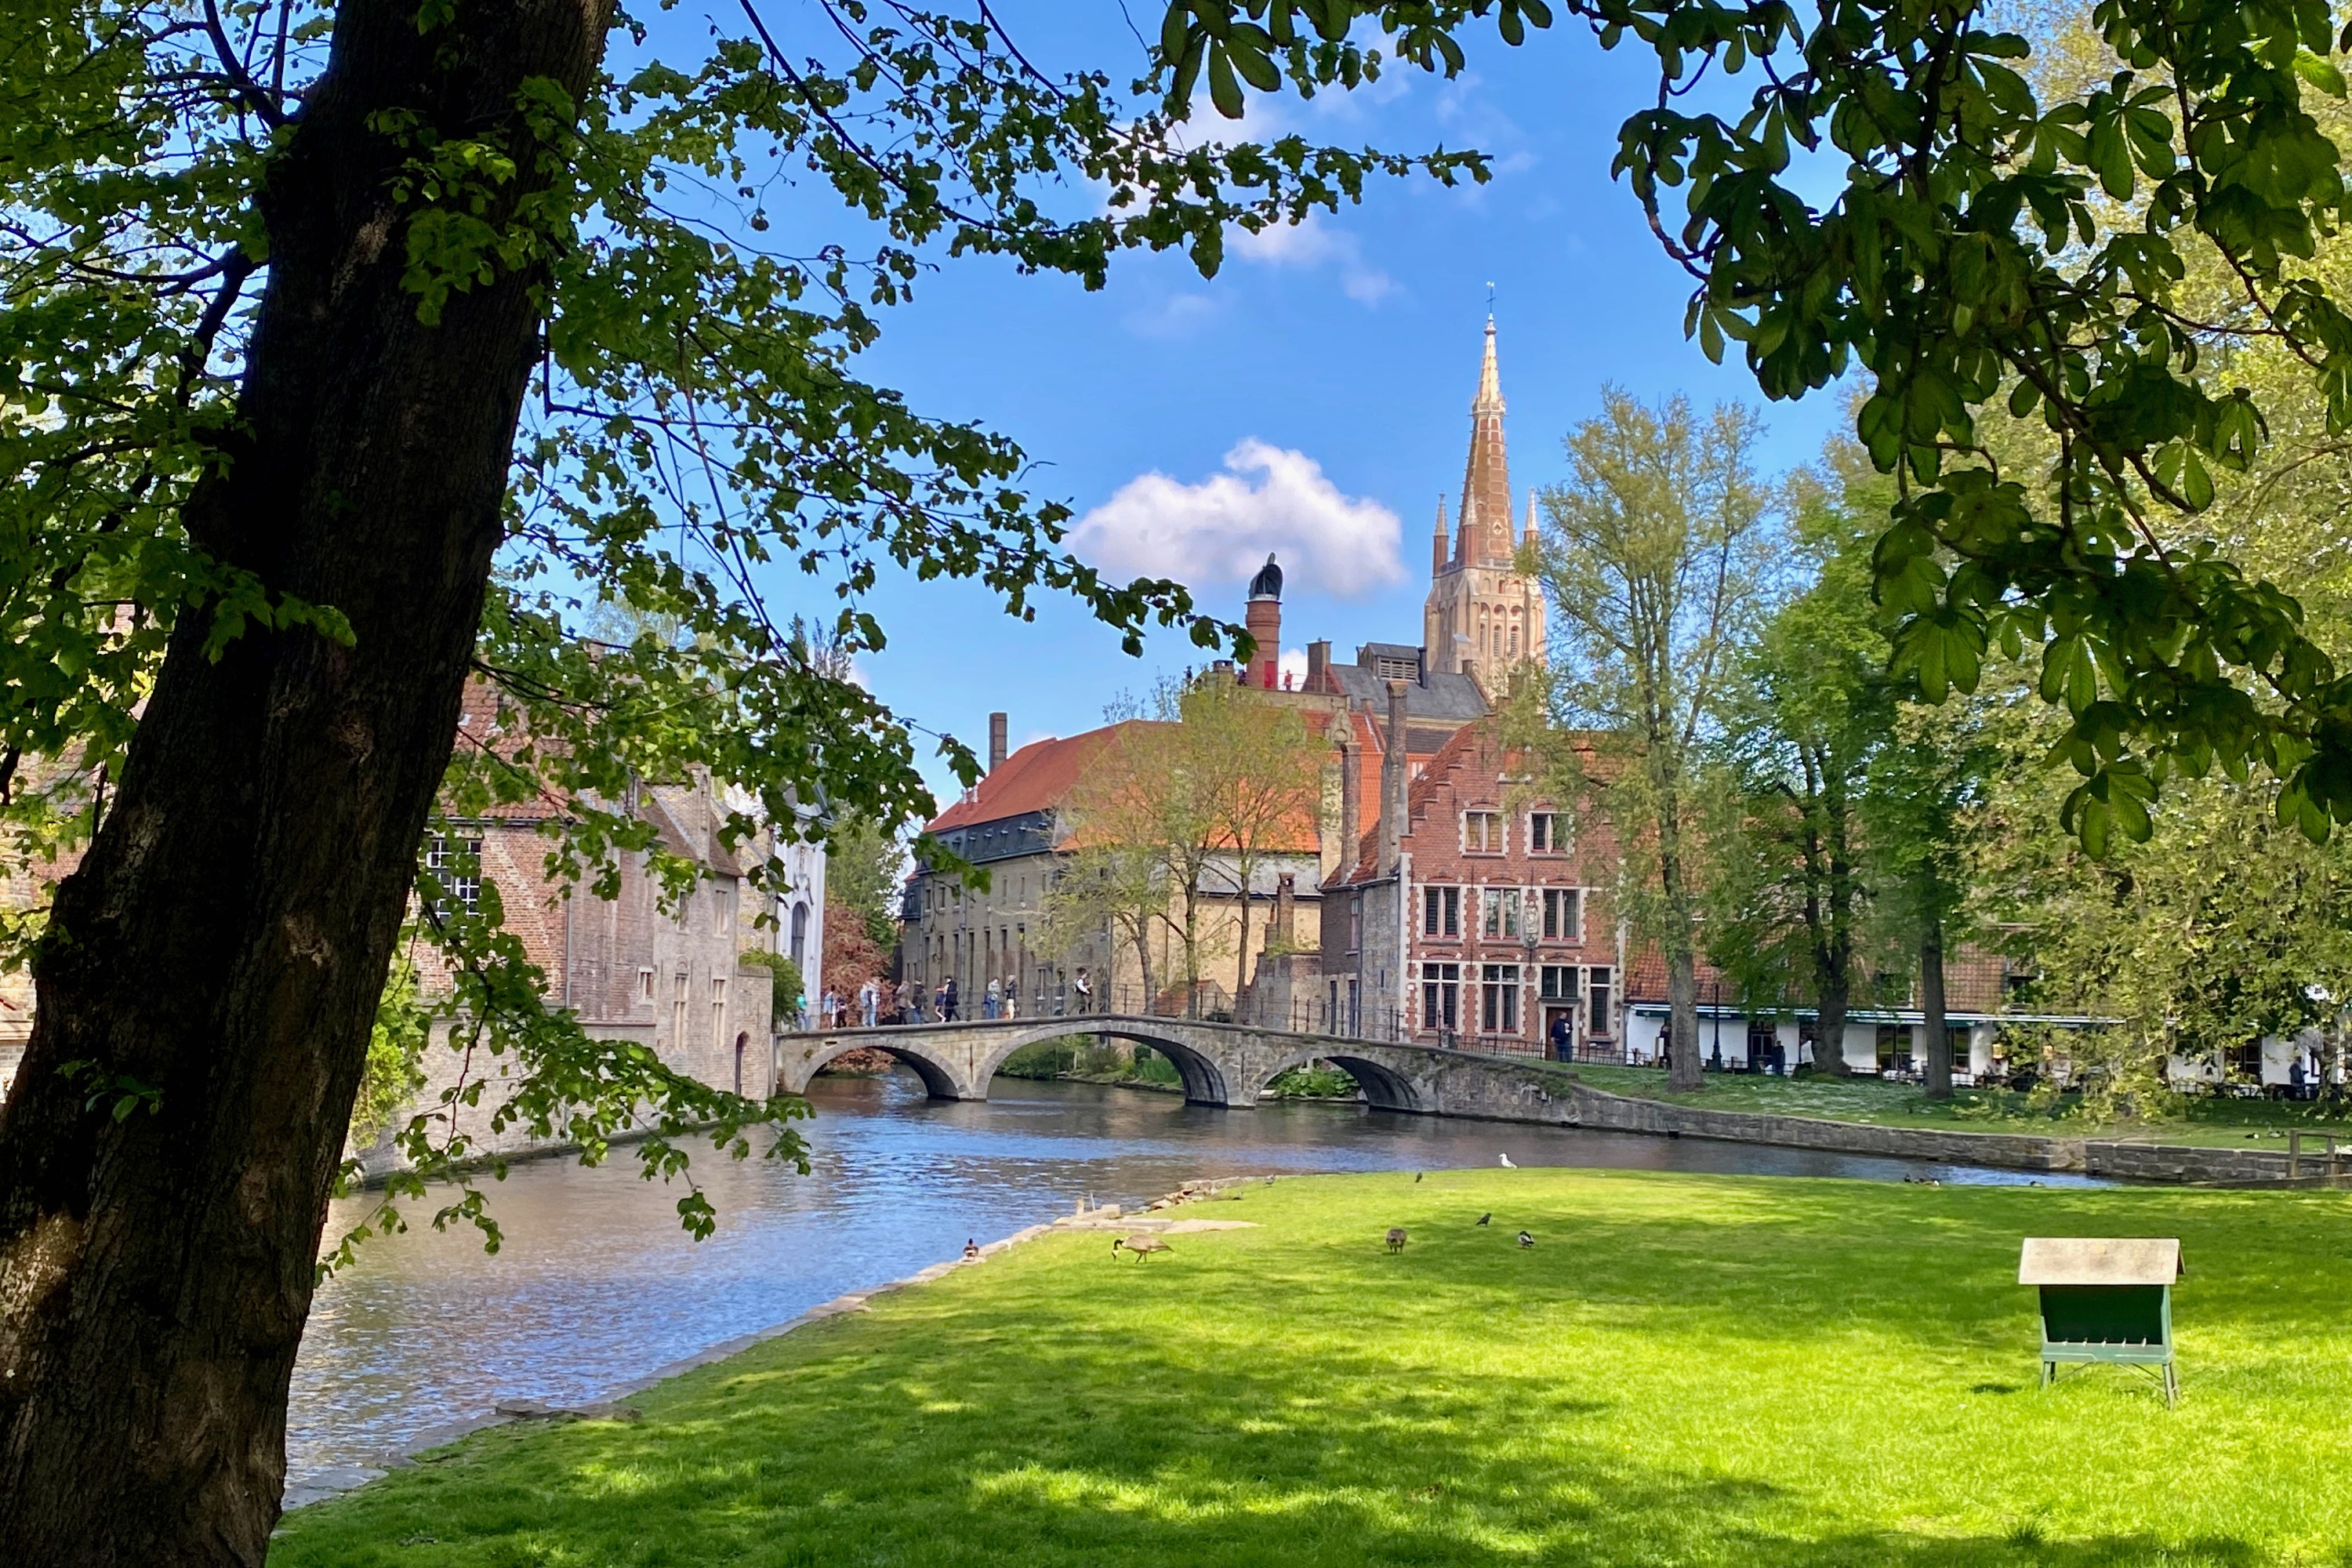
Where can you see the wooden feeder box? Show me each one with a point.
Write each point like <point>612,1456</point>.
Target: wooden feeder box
<point>2105,1300</point>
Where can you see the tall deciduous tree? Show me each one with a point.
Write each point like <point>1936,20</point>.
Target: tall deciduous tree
<point>312,311</point>
<point>1901,198</point>
<point>1654,553</point>
<point>1810,710</point>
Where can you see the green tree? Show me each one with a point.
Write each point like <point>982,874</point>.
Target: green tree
<point>1902,199</point>
<point>1808,715</point>
<point>313,311</point>
<point>864,871</point>
<point>1653,554</point>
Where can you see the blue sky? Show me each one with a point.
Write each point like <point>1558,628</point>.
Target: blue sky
<point>1335,366</point>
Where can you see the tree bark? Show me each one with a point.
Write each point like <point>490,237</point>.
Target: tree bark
<point>1931,1005</point>
<point>228,935</point>
<point>1682,1071</point>
<point>1834,955</point>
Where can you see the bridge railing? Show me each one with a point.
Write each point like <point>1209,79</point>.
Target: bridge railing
<point>1213,1004</point>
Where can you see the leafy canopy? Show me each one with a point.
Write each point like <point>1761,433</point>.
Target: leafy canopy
<point>1987,243</point>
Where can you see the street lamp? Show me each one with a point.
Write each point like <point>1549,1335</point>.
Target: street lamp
<point>1528,974</point>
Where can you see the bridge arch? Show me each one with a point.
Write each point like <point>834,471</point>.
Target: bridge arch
<point>941,1080</point>
<point>1385,1088</point>
<point>1205,1079</point>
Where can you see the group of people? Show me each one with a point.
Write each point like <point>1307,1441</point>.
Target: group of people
<point>878,1002</point>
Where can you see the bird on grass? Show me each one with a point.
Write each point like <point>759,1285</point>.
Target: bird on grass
<point>1525,1239</point>
<point>1396,1238</point>
<point>1418,1175</point>
<point>1142,1245</point>
<point>1483,1218</point>
<point>1506,1163</point>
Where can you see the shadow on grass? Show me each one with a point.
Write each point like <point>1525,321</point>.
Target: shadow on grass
<point>1793,1374</point>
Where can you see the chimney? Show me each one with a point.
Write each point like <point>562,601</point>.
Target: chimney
<point>1319,665</point>
<point>1393,781</point>
<point>1351,805</point>
<point>1282,932</point>
<point>1262,619</point>
<point>995,742</point>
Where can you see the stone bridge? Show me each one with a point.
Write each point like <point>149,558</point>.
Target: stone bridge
<point>1222,1064</point>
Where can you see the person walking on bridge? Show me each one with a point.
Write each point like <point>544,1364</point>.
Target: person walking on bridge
<point>989,1003</point>
<point>869,1002</point>
<point>948,1001</point>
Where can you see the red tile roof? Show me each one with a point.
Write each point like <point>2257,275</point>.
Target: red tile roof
<point>1037,777</point>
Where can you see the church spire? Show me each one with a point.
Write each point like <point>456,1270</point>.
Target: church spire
<point>1484,535</point>
<point>1437,542</point>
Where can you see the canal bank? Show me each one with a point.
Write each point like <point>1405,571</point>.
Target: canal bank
<point>595,1285</point>
<point>1656,1375</point>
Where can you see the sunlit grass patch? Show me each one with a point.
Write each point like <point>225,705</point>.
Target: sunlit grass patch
<point>1683,1370</point>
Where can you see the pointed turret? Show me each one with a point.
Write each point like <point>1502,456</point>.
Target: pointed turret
<point>1437,543</point>
<point>1483,536</point>
<point>1530,537</point>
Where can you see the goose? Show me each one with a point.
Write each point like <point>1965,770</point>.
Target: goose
<point>1142,1245</point>
<point>1525,1239</point>
<point>1396,1238</point>
<point>1483,1218</point>
<point>1506,1163</point>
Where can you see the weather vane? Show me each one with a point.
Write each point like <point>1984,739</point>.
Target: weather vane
<point>1490,296</point>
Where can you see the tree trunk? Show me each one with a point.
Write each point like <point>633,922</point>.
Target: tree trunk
<point>1833,936</point>
<point>1241,968</point>
<point>1931,1004</point>
<point>228,935</point>
<point>1681,960</point>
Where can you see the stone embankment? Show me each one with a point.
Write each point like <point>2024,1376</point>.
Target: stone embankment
<point>2115,1159</point>
<point>320,1485</point>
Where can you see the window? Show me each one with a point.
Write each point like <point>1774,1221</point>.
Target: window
<point>1562,915</point>
<point>677,1016</point>
<point>645,983</point>
<point>1894,1047</point>
<point>1441,912</point>
<point>1514,639</point>
<point>800,936</point>
<point>1543,833</point>
<point>1499,915</point>
<point>722,903</point>
<point>1441,995</point>
<point>1355,923</point>
<point>1498,998</point>
<point>718,1014</point>
<point>1596,994</point>
<point>1482,832</point>
<point>1557,983</point>
<point>457,865</point>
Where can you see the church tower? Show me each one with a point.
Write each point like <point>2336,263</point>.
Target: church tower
<point>1481,617</point>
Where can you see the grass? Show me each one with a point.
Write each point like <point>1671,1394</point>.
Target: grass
<point>1683,1370</point>
<point>2206,1121</point>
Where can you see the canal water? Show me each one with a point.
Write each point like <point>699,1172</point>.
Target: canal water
<point>596,1284</point>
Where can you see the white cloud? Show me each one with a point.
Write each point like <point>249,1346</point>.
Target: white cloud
<point>1311,243</point>
<point>1219,531</point>
<point>1176,316</point>
<point>1291,666</point>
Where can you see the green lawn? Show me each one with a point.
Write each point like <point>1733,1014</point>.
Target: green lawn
<point>1683,1370</point>
<point>2203,1120</point>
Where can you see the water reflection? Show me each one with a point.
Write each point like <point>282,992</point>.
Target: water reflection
<point>597,1285</point>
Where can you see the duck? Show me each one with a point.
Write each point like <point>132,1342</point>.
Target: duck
<point>972,1250</point>
<point>1142,1245</point>
<point>1525,1239</point>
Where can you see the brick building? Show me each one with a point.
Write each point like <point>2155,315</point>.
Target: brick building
<point>1477,907</point>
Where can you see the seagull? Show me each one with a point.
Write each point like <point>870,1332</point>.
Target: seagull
<point>1506,1163</point>
<point>1525,1239</point>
